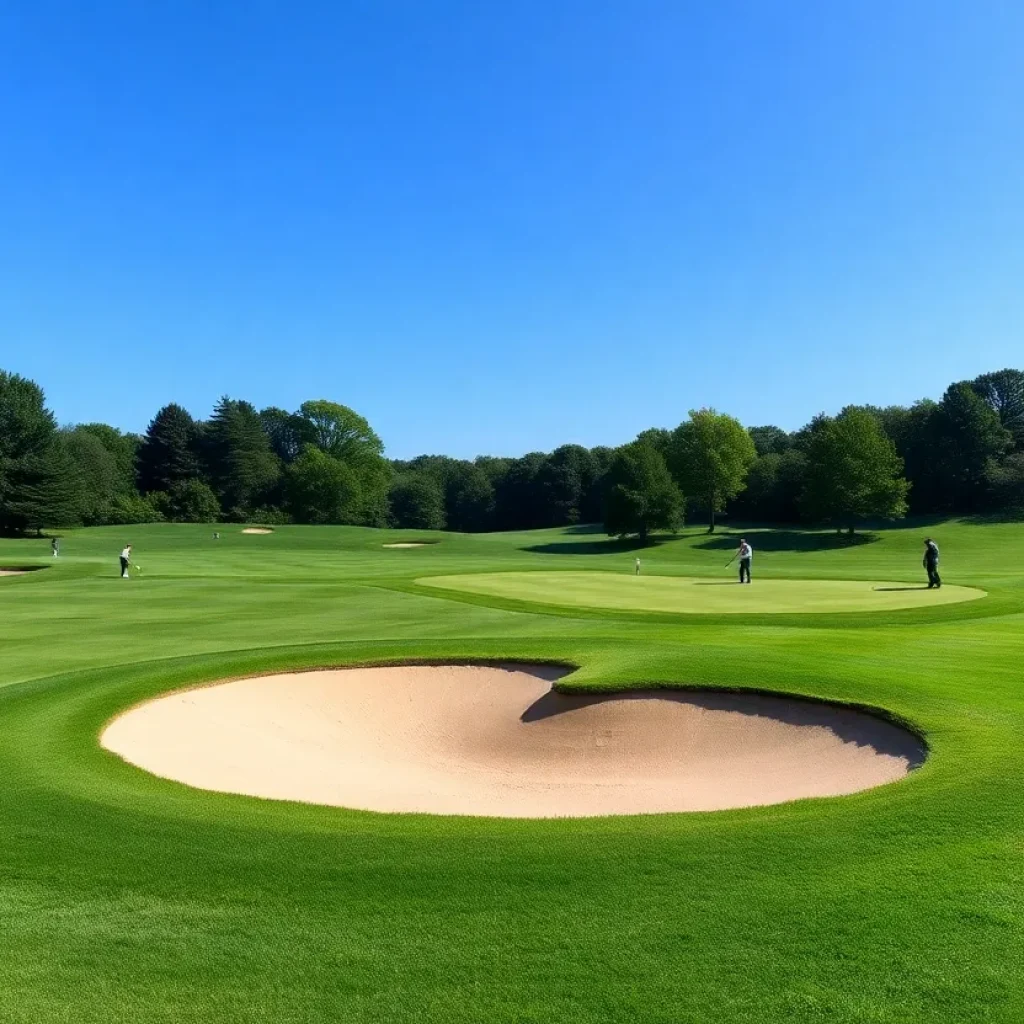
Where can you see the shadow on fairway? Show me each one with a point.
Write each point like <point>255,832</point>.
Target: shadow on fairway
<point>786,540</point>
<point>605,546</point>
<point>851,725</point>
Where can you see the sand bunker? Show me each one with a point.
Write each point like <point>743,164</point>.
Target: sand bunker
<point>257,529</point>
<point>408,544</point>
<point>497,741</point>
<point>14,572</point>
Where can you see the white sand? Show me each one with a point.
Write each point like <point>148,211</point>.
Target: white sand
<point>407,544</point>
<point>14,572</point>
<point>256,529</point>
<point>497,741</point>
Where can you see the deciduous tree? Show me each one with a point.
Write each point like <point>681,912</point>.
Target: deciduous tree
<point>709,457</point>
<point>642,496</point>
<point>853,471</point>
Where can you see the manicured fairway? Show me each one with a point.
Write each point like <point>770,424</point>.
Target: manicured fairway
<point>701,596</point>
<point>125,897</point>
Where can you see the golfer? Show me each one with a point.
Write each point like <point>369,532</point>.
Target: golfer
<point>126,558</point>
<point>638,567</point>
<point>55,547</point>
<point>931,563</point>
<point>746,554</point>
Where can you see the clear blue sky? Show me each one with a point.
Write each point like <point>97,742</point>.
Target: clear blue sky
<point>497,227</point>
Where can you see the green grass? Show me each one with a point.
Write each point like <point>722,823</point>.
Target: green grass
<point>124,897</point>
<point>700,596</point>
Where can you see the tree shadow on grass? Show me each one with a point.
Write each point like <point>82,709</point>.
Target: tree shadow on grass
<point>787,540</point>
<point>849,724</point>
<point>604,546</point>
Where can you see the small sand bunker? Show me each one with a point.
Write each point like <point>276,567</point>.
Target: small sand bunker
<point>261,530</point>
<point>14,572</point>
<point>497,741</point>
<point>408,544</point>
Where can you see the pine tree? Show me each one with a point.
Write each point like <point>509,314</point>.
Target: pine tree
<point>243,467</point>
<point>44,489</point>
<point>168,454</point>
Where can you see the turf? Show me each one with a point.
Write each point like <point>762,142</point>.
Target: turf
<point>126,897</point>
<point>699,595</point>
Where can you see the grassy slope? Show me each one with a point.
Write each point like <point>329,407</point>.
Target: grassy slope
<point>126,897</point>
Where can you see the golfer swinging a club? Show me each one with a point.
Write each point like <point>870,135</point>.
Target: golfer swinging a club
<point>745,555</point>
<point>126,557</point>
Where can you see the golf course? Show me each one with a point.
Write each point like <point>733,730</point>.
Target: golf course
<point>132,890</point>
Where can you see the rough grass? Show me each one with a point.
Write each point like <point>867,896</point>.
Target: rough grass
<point>126,897</point>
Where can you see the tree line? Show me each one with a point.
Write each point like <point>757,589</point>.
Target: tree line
<point>323,463</point>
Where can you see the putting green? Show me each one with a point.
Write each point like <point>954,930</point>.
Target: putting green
<point>684,594</point>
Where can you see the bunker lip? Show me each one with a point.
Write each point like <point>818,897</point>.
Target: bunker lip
<point>259,530</point>
<point>497,741</point>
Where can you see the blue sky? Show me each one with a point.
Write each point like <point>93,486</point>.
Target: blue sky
<point>494,228</point>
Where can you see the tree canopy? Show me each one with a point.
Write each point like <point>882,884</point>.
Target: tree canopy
<point>642,496</point>
<point>710,455</point>
<point>853,471</point>
<point>324,463</point>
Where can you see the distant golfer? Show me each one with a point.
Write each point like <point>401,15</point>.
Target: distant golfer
<point>55,547</point>
<point>638,567</point>
<point>126,559</point>
<point>746,555</point>
<point>931,563</point>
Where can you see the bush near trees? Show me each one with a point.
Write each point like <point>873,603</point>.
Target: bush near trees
<point>323,463</point>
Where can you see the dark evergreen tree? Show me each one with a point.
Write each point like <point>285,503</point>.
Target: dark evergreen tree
<point>966,438</point>
<point>242,466</point>
<point>168,454</point>
<point>44,489</point>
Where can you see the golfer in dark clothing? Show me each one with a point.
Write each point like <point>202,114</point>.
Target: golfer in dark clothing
<point>746,553</point>
<point>931,563</point>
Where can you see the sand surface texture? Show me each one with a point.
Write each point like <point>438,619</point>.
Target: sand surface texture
<point>407,544</point>
<point>497,741</point>
<point>14,572</point>
<point>257,529</point>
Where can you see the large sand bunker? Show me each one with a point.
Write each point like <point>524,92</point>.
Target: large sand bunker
<point>260,530</point>
<point>497,741</point>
